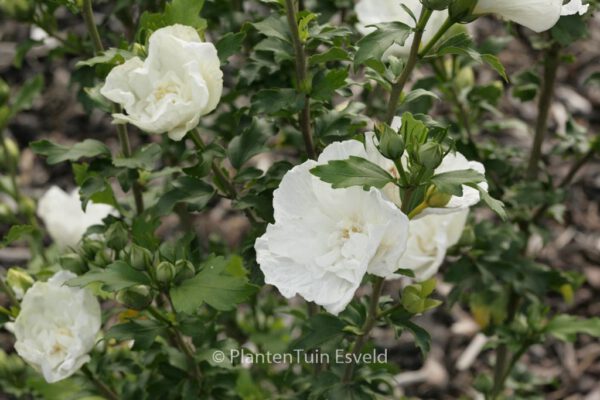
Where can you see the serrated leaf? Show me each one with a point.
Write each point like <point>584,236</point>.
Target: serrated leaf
<point>186,189</point>
<point>273,26</point>
<point>567,327</point>
<point>142,332</point>
<point>229,45</point>
<point>184,12</point>
<point>375,44</point>
<point>245,146</point>
<point>213,286</point>
<point>332,54</point>
<point>28,92</point>
<point>116,276</point>
<point>325,85</point>
<point>355,171</point>
<point>418,93</point>
<point>495,63</point>
<point>495,205</point>
<point>57,153</point>
<point>321,328</point>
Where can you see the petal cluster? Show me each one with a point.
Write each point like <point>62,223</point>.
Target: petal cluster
<point>57,327</point>
<point>370,12</point>
<point>324,240</point>
<point>179,82</point>
<point>64,218</point>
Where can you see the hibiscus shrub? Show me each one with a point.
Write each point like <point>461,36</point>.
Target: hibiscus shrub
<point>355,143</point>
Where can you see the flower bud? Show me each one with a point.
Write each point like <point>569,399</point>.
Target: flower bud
<point>434,198</point>
<point>19,281</point>
<point>4,92</point>
<point>137,297</point>
<point>437,5</point>
<point>430,155</point>
<point>140,258</point>
<point>27,205</point>
<point>184,270</point>
<point>165,272</point>
<point>90,247</point>
<point>462,10</point>
<point>5,212</point>
<point>117,236</point>
<point>72,262</point>
<point>102,258</point>
<point>391,143</point>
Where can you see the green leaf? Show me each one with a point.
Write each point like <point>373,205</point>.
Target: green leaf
<point>567,327</point>
<point>24,98</point>
<point>355,171</point>
<point>247,145</point>
<point>229,45</point>
<point>57,153</point>
<point>416,94</point>
<point>184,12</point>
<point>495,205</point>
<point>375,44</point>
<point>112,56</point>
<point>142,332</point>
<point>451,182</point>
<point>495,63</point>
<point>321,329</point>
<point>213,286</point>
<point>460,44</point>
<point>144,158</point>
<point>116,276</point>
<point>325,85</point>
<point>332,54</point>
<point>15,233</point>
<point>272,101</point>
<point>186,189</point>
<point>273,26</point>
<point>594,78</point>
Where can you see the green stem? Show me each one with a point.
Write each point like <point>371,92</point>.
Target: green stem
<point>88,17</point>
<point>411,62</point>
<point>301,78</point>
<point>448,23</point>
<point>551,65</point>
<point>230,190</point>
<point>104,389</point>
<point>503,367</point>
<point>370,322</point>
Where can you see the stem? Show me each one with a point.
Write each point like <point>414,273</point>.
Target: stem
<point>301,78</point>
<point>551,64</point>
<point>503,367</point>
<point>366,329</point>
<point>230,190</point>
<point>102,387</point>
<point>88,17</point>
<point>448,23</point>
<point>9,292</point>
<point>398,86</point>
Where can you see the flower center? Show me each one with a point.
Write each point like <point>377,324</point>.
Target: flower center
<point>164,89</point>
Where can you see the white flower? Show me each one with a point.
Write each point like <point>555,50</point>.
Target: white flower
<point>64,218</point>
<point>429,239</point>
<point>538,15</point>
<point>179,82</point>
<point>57,327</point>
<point>324,240</point>
<point>574,7</point>
<point>370,12</point>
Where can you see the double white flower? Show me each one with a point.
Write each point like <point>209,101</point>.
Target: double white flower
<point>179,82</point>
<point>325,240</point>
<point>64,218</point>
<point>57,327</point>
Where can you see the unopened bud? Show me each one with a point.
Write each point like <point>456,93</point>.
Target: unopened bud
<point>184,270</point>
<point>140,258</point>
<point>117,236</point>
<point>165,272</point>
<point>430,155</point>
<point>72,262</point>
<point>391,143</point>
<point>437,5</point>
<point>19,281</point>
<point>462,10</point>
<point>136,297</point>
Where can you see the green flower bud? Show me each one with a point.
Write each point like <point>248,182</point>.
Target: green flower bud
<point>184,270</point>
<point>117,236</point>
<point>19,281</point>
<point>102,258</point>
<point>5,212</point>
<point>435,198</point>
<point>73,262</point>
<point>437,5</point>
<point>27,205</point>
<point>137,297</point>
<point>4,92</point>
<point>140,258</point>
<point>430,155</point>
<point>391,143</point>
<point>462,10</point>
<point>165,272</point>
<point>90,247</point>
